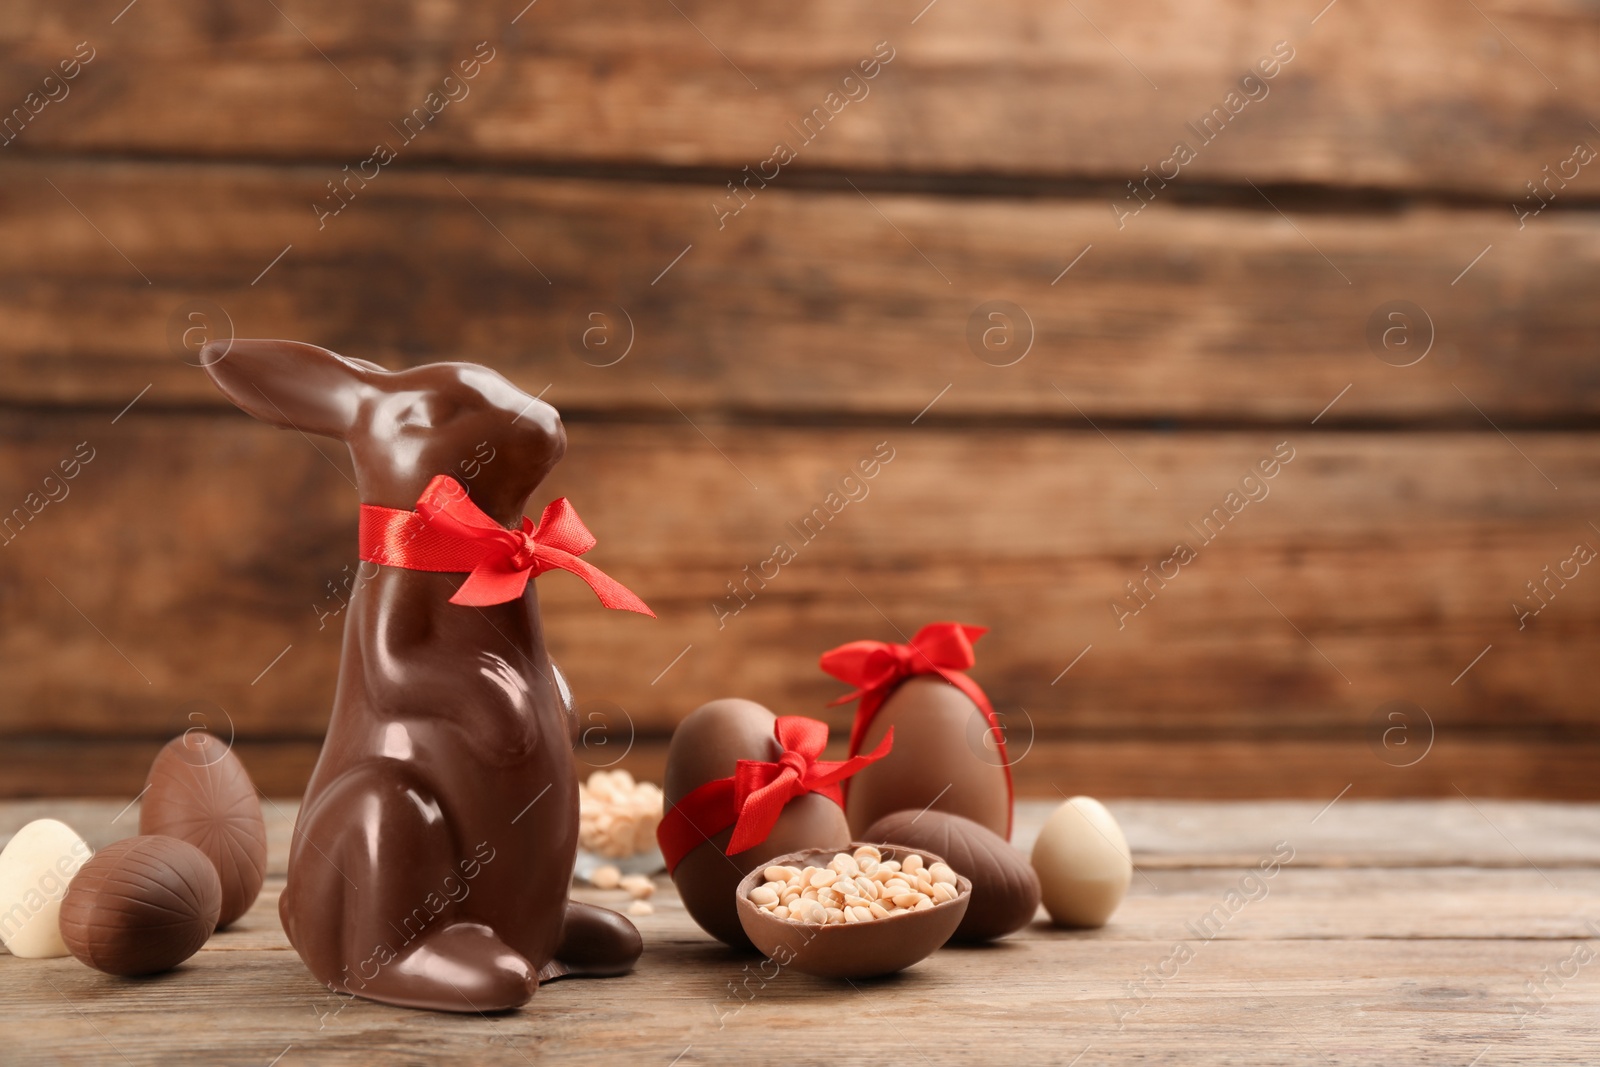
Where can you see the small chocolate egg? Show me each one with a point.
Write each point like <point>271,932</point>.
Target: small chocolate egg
<point>199,792</point>
<point>943,758</point>
<point>706,746</point>
<point>141,905</point>
<point>1083,863</point>
<point>36,867</point>
<point>1005,890</point>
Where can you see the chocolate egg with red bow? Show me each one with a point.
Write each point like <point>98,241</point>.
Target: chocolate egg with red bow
<point>706,749</point>
<point>949,755</point>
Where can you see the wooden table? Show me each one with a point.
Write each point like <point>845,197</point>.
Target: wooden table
<point>1439,932</point>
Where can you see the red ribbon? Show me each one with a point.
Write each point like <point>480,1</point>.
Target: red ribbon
<point>753,798</point>
<point>875,668</point>
<point>448,532</point>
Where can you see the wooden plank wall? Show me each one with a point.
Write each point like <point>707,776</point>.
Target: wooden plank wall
<point>743,248</point>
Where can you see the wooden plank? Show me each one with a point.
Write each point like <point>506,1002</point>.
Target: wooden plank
<point>1168,838</point>
<point>1382,567</point>
<point>1016,87</point>
<point>61,765</point>
<point>101,821</point>
<point>1449,956</point>
<point>1311,1002</point>
<point>1493,765</point>
<point>1354,905</point>
<point>1353,832</point>
<point>1316,904</point>
<point>814,304</point>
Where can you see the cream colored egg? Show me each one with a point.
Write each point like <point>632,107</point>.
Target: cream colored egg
<point>1083,863</point>
<point>35,867</point>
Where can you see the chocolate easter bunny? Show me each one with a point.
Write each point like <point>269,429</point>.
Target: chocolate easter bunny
<point>433,852</point>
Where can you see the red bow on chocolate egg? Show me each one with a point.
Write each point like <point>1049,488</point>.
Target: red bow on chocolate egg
<point>875,668</point>
<point>448,532</point>
<point>753,798</point>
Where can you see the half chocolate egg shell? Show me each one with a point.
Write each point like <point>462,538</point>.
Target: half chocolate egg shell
<point>850,950</point>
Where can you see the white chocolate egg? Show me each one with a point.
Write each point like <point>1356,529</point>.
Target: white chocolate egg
<point>35,867</point>
<point>1083,863</point>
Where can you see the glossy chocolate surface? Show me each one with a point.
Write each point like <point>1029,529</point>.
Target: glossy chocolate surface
<point>1005,889</point>
<point>199,792</point>
<point>140,906</point>
<point>433,851</point>
<point>941,759</point>
<point>707,745</point>
<point>852,950</point>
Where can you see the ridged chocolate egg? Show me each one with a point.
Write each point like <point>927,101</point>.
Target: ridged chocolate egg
<point>1005,889</point>
<point>944,758</point>
<point>706,746</point>
<point>141,905</point>
<point>199,792</point>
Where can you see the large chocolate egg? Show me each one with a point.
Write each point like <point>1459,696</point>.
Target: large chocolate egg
<point>1005,889</point>
<point>199,792</point>
<point>944,757</point>
<point>706,746</point>
<point>141,905</point>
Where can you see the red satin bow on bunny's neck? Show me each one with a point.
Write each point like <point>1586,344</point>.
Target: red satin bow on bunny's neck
<point>875,668</point>
<point>448,532</point>
<point>753,798</point>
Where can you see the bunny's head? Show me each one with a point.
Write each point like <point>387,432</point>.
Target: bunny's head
<point>402,427</point>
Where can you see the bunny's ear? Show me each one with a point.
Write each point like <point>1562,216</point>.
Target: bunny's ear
<point>290,384</point>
